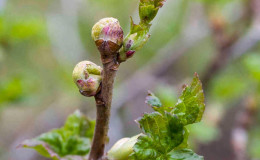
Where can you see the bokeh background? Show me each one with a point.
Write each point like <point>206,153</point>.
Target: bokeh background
<point>42,40</point>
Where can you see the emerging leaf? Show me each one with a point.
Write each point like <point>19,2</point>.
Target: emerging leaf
<point>71,142</point>
<point>138,35</point>
<point>190,106</point>
<point>148,9</point>
<point>165,135</point>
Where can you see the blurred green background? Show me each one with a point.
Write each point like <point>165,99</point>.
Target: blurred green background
<point>42,40</point>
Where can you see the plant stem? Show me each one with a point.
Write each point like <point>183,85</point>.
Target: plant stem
<point>103,104</point>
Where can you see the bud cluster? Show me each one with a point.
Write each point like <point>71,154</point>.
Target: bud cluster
<point>87,76</point>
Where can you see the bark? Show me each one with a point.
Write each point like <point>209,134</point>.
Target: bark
<point>103,104</point>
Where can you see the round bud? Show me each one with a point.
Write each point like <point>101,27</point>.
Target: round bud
<point>87,76</point>
<point>122,148</point>
<point>108,35</point>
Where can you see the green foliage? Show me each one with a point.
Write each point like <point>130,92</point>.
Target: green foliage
<point>229,85</point>
<point>13,30</point>
<point>165,133</point>
<point>190,105</point>
<point>10,90</point>
<point>253,66</point>
<point>69,142</point>
<point>15,89</point>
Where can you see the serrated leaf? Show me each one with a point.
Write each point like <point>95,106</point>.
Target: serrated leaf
<point>71,142</point>
<point>163,133</point>
<point>183,154</point>
<point>190,106</point>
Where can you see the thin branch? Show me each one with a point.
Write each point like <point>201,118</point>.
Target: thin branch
<point>103,104</point>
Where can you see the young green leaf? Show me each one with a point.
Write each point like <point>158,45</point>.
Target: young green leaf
<point>138,35</point>
<point>190,106</point>
<point>165,135</point>
<point>162,134</point>
<point>69,142</point>
<point>148,9</point>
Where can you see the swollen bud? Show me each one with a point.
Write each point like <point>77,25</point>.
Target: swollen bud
<point>108,36</point>
<point>122,148</point>
<point>87,76</point>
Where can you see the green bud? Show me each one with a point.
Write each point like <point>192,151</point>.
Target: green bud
<point>122,148</point>
<point>87,76</point>
<point>108,35</point>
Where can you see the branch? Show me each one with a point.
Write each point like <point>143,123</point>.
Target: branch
<point>108,36</point>
<point>114,49</point>
<point>103,104</point>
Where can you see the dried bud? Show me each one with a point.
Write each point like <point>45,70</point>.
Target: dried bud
<point>122,148</point>
<point>87,76</point>
<point>108,36</point>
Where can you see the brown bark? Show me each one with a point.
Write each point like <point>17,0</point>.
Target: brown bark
<point>103,104</point>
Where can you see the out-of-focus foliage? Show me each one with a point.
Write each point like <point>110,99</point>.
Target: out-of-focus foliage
<point>167,95</point>
<point>218,2</point>
<point>254,143</point>
<point>71,141</point>
<point>14,30</point>
<point>229,85</point>
<point>253,66</point>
